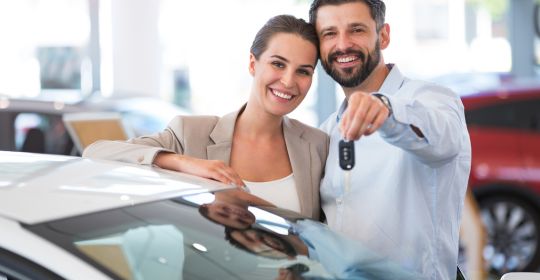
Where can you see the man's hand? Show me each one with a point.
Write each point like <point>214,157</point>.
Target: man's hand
<point>212,169</point>
<point>365,114</point>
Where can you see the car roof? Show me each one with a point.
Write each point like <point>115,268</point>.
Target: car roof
<point>38,188</point>
<point>38,106</point>
<point>500,95</point>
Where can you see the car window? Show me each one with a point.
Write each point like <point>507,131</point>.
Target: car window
<point>166,240</point>
<point>521,115</point>
<point>41,133</point>
<point>529,114</point>
<point>13,266</point>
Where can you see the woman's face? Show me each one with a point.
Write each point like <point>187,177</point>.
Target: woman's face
<point>282,75</point>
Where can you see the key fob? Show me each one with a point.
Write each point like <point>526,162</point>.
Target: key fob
<point>346,154</point>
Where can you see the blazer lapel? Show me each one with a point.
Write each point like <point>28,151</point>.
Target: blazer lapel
<point>222,135</point>
<point>299,155</point>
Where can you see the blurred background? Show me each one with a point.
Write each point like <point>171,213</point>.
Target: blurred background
<point>150,60</point>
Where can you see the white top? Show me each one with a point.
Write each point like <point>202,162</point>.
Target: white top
<point>280,192</point>
<point>406,192</point>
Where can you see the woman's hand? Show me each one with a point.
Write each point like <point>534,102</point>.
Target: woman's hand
<point>212,169</point>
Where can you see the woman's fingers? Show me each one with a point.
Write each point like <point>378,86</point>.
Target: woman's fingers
<point>211,169</point>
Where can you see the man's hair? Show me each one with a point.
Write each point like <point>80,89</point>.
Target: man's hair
<point>283,24</point>
<point>376,7</point>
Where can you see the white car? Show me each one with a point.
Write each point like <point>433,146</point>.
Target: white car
<point>76,218</point>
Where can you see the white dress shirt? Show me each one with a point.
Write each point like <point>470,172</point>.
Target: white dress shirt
<point>406,193</point>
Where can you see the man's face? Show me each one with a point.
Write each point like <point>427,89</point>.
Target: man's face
<point>349,42</point>
<point>230,215</point>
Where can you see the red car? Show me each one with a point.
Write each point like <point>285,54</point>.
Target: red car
<point>504,127</point>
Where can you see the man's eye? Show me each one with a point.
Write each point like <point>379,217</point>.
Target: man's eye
<point>328,34</point>
<point>358,30</point>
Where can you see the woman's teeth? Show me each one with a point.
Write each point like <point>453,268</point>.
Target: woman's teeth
<point>281,94</point>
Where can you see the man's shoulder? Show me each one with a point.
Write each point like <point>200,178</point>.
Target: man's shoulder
<point>328,124</point>
<point>413,88</point>
<point>308,132</point>
<point>424,85</point>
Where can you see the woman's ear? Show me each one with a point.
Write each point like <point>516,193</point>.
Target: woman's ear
<point>252,61</point>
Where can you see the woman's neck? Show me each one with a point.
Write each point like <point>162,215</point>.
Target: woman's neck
<point>254,123</point>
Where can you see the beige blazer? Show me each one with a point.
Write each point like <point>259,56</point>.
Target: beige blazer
<point>210,137</point>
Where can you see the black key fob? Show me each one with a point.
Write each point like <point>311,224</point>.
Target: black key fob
<point>346,154</point>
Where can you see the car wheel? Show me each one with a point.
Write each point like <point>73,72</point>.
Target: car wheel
<point>512,227</point>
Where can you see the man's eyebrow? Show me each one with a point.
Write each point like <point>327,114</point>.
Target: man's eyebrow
<point>358,24</point>
<point>327,29</point>
<point>286,60</point>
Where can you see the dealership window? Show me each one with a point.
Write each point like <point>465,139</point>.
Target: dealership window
<point>43,50</point>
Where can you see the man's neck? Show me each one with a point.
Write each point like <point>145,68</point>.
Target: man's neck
<point>372,83</point>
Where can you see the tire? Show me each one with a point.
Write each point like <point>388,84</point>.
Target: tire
<point>513,234</point>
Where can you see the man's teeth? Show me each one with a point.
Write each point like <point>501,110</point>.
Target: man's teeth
<point>281,94</point>
<point>346,59</point>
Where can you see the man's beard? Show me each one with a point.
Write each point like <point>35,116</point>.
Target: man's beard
<point>353,76</point>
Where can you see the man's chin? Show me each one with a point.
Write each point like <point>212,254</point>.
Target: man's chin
<point>346,80</point>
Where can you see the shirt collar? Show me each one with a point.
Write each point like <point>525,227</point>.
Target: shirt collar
<point>393,81</point>
<point>391,84</point>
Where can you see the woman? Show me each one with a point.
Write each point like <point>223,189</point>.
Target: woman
<point>279,159</point>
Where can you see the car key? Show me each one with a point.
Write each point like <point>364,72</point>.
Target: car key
<point>346,154</point>
<point>346,161</point>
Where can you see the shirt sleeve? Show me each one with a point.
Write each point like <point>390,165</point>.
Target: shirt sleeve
<point>436,111</point>
<point>345,258</point>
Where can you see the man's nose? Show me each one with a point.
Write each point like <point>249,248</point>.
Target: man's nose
<point>343,42</point>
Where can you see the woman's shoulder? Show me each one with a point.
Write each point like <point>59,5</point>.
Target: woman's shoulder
<point>193,121</point>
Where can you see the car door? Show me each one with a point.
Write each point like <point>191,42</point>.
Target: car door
<point>13,266</point>
<point>529,116</point>
<point>495,138</point>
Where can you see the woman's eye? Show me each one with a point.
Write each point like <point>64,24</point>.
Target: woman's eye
<point>304,72</point>
<point>278,64</point>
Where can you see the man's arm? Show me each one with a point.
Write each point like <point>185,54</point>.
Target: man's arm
<point>426,120</point>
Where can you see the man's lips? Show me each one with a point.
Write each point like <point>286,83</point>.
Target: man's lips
<point>347,59</point>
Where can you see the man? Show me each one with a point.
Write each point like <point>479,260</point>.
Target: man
<point>412,148</point>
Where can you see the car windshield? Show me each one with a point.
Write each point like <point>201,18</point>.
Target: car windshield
<point>213,236</point>
<point>170,240</point>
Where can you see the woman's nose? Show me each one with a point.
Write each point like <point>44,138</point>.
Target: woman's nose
<point>287,79</point>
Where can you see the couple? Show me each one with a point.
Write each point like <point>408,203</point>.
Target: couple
<point>412,160</point>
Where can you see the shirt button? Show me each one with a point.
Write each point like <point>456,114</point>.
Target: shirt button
<point>339,201</point>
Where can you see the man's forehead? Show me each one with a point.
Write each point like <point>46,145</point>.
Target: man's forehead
<point>352,13</point>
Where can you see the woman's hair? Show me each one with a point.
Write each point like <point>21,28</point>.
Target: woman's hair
<point>283,24</point>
